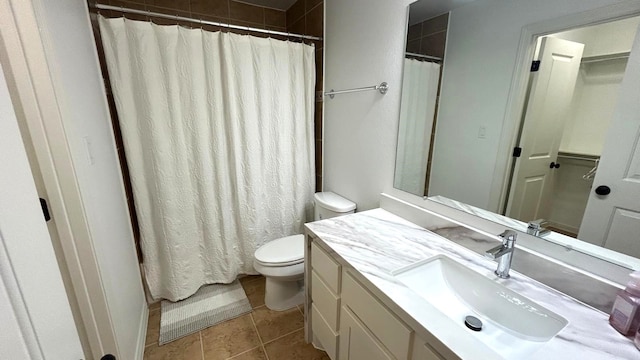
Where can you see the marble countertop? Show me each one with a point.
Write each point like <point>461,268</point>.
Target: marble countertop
<point>376,243</point>
<point>560,239</point>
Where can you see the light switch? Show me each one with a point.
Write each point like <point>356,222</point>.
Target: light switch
<point>482,132</point>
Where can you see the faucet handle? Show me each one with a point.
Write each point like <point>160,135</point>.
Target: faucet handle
<point>538,224</point>
<point>508,237</point>
<point>536,227</point>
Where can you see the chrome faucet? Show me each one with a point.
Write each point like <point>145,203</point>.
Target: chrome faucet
<point>536,228</point>
<point>504,252</point>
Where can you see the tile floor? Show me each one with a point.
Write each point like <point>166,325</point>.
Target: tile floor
<point>260,335</point>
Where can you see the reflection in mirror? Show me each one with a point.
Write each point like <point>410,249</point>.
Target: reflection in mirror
<point>426,37</point>
<point>570,107</point>
<point>576,166</point>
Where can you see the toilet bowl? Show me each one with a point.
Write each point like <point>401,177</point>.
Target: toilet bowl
<point>281,261</point>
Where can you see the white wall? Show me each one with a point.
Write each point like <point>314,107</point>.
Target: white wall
<point>34,310</point>
<point>592,108</point>
<point>597,85</point>
<point>570,194</point>
<point>364,46</point>
<point>482,45</point>
<point>73,62</point>
<point>603,39</point>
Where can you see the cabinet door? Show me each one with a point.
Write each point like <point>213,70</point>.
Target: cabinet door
<point>422,351</point>
<point>356,342</point>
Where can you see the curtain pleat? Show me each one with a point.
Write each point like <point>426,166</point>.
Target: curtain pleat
<point>218,134</point>
<point>417,111</point>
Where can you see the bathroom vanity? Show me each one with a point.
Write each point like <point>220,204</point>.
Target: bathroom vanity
<point>381,287</point>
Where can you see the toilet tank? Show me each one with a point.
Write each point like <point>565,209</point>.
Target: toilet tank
<point>328,205</point>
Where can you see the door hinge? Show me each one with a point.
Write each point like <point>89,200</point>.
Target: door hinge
<point>517,151</point>
<point>535,65</point>
<point>45,209</point>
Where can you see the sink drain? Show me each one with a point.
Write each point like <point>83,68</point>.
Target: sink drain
<point>473,323</point>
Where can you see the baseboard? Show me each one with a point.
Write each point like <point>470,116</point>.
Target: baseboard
<point>142,331</point>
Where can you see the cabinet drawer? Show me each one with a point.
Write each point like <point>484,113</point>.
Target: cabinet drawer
<point>326,268</point>
<point>324,299</point>
<point>322,331</point>
<point>391,331</point>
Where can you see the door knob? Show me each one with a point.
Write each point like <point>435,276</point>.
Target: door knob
<point>603,190</point>
<point>554,165</point>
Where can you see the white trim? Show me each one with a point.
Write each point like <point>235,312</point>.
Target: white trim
<point>142,331</point>
<point>520,80</point>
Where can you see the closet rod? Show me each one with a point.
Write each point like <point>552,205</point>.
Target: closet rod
<point>199,21</point>
<point>580,157</point>
<point>600,58</point>
<point>434,58</point>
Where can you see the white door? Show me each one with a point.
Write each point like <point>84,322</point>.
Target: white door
<point>613,220</point>
<point>549,101</point>
<point>34,310</point>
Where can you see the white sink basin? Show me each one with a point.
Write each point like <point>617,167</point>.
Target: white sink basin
<point>512,325</point>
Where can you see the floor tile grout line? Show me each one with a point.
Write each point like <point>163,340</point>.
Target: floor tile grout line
<point>255,327</point>
<point>287,334</point>
<point>244,352</point>
<point>201,345</point>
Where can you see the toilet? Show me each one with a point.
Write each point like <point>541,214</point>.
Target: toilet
<point>281,261</point>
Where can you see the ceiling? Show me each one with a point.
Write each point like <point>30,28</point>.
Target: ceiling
<point>426,9</point>
<point>274,4</point>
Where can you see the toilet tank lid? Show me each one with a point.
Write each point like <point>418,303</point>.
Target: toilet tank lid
<point>283,250</point>
<point>334,202</point>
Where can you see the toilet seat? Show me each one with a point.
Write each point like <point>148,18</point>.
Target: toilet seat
<point>289,263</point>
<point>285,251</point>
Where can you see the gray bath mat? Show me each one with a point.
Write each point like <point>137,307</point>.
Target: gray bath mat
<point>212,304</point>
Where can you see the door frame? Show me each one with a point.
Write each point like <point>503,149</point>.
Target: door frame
<point>516,101</point>
<point>31,86</point>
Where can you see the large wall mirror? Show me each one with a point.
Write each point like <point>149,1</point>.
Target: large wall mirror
<point>573,168</point>
<point>424,54</point>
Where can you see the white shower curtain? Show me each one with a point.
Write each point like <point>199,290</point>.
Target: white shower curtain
<point>218,134</point>
<point>417,110</point>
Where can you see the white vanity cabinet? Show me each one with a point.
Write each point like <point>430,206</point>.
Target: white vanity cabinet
<point>351,323</point>
<point>323,306</point>
<point>368,321</point>
<point>357,342</point>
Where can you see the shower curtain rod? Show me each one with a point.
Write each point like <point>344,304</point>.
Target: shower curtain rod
<point>434,58</point>
<point>199,21</point>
